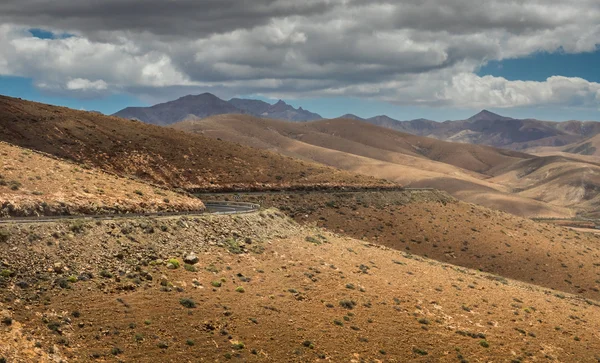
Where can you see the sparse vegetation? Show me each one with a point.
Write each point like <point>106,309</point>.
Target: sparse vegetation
<point>190,268</point>
<point>188,303</point>
<point>174,262</point>
<point>347,304</point>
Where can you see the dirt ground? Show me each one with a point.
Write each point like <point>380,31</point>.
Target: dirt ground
<point>435,225</point>
<point>281,293</point>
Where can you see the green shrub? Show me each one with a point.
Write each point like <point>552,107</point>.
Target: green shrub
<point>312,240</point>
<point>4,235</point>
<point>106,274</point>
<point>116,351</point>
<point>308,344</point>
<point>14,185</point>
<point>233,246</point>
<point>190,268</point>
<point>423,321</point>
<point>77,226</point>
<point>240,289</point>
<point>188,303</point>
<point>237,345</point>
<point>348,304</point>
<point>174,262</point>
<point>420,351</point>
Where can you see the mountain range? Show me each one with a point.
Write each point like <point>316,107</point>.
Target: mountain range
<point>207,104</point>
<point>484,128</point>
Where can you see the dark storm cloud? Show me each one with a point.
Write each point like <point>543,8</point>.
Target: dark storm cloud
<point>183,18</point>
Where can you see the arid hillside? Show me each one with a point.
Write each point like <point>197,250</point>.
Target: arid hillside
<point>262,288</point>
<point>435,225</point>
<point>589,146</point>
<point>32,184</point>
<point>360,138</point>
<point>159,155</point>
<point>466,171</point>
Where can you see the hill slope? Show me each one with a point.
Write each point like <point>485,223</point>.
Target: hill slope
<point>407,159</point>
<point>159,155</point>
<point>292,300</point>
<point>32,184</point>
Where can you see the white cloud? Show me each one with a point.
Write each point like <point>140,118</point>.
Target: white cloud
<point>469,90</point>
<point>409,52</point>
<point>78,84</point>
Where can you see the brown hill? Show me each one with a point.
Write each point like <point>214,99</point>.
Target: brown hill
<point>362,139</point>
<point>557,178</point>
<point>435,225</point>
<point>589,146</point>
<point>159,155</point>
<point>306,295</point>
<point>32,184</point>
<point>409,160</point>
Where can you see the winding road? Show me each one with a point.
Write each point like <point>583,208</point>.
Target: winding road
<point>212,207</point>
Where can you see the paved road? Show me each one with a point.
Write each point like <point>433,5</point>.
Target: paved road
<point>211,208</point>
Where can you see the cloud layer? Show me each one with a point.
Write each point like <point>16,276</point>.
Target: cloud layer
<point>405,52</point>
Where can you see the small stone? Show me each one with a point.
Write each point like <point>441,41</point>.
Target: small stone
<point>191,259</point>
<point>171,266</point>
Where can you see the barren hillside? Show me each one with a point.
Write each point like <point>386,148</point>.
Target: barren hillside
<point>33,184</point>
<point>461,169</point>
<point>159,155</point>
<point>265,289</point>
<point>433,224</point>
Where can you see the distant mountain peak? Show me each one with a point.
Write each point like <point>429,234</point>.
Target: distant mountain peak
<point>487,116</point>
<point>201,95</point>
<point>352,117</point>
<point>207,104</point>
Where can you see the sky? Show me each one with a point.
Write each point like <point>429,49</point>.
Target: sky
<point>404,58</point>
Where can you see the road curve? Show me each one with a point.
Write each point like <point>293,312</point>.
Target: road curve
<point>212,207</point>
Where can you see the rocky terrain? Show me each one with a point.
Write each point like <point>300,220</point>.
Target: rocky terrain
<point>435,225</point>
<point>32,184</point>
<point>260,287</point>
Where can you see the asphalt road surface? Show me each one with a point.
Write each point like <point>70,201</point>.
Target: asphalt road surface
<point>211,208</point>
